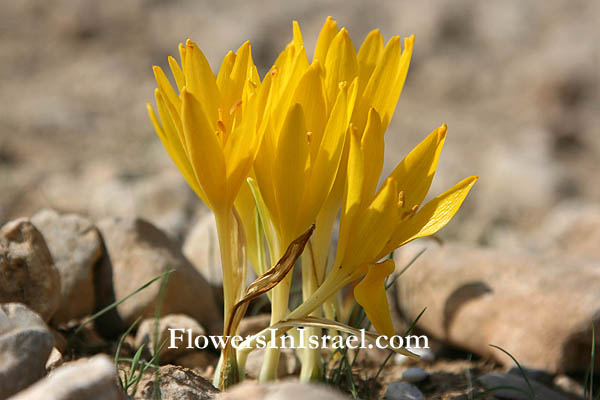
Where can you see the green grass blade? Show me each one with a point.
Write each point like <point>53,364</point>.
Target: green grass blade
<point>120,344</point>
<point>588,380</point>
<point>519,366</point>
<point>135,361</point>
<point>116,303</point>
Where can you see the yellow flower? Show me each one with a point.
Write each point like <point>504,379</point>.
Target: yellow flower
<point>303,140</point>
<point>375,223</point>
<point>208,125</point>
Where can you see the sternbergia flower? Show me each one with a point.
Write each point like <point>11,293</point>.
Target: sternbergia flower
<point>301,166</point>
<point>209,126</point>
<point>307,114</point>
<point>374,223</point>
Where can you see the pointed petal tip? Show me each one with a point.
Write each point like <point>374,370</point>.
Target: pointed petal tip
<point>442,131</point>
<point>395,40</point>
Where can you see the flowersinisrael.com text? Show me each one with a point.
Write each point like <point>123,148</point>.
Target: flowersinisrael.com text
<point>179,337</point>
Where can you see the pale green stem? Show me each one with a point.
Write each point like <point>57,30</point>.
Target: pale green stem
<point>322,244</point>
<point>279,309</point>
<point>224,222</point>
<point>310,357</point>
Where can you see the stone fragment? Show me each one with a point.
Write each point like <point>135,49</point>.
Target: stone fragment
<point>27,271</point>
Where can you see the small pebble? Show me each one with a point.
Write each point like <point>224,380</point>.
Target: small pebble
<point>415,375</point>
<point>403,391</point>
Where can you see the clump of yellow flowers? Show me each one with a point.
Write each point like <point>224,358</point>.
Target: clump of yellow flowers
<point>305,144</point>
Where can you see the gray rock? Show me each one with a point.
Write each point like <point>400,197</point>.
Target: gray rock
<point>281,391</point>
<point>532,373</point>
<point>288,363</point>
<point>177,383</point>
<point>571,228</point>
<point>25,344</point>
<point>27,271</point>
<point>253,324</point>
<point>477,296</point>
<point>137,252</point>
<point>489,381</point>
<point>91,378</point>
<point>415,375</point>
<point>198,360</point>
<point>201,247</point>
<point>145,335</point>
<point>403,391</point>
<point>164,199</point>
<point>75,246</point>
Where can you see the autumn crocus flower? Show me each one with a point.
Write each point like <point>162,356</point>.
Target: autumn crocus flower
<point>208,124</point>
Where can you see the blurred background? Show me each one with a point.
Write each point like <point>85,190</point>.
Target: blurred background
<point>516,82</point>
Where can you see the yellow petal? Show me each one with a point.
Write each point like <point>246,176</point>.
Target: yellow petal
<point>175,149</point>
<point>241,68</point>
<point>298,41</point>
<point>327,34</point>
<point>165,87</point>
<point>177,73</point>
<point>386,81</point>
<point>373,226</point>
<point>310,95</point>
<point>204,151</point>
<point>289,172</point>
<point>225,71</point>
<point>285,79</point>
<point>170,115</point>
<point>368,56</point>
<point>370,294</point>
<point>355,175</point>
<point>232,92</point>
<point>433,216</point>
<point>415,173</point>
<point>340,65</point>
<point>240,151</point>
<point>201,81</point>
<point>373,148</point>
<point>328,156</point>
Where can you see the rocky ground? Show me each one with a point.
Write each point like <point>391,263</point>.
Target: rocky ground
<point>106,211</point>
